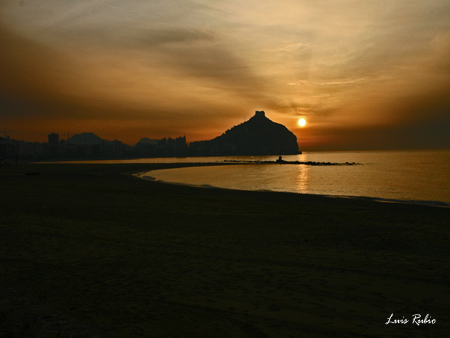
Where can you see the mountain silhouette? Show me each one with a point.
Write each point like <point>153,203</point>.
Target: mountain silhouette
<point>257,136</point>
<point>87,139</point>
<point>145,141</point>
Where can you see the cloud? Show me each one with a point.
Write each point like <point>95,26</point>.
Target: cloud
<point>204,64</point>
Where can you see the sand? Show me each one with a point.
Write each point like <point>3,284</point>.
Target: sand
<point>135,258</point>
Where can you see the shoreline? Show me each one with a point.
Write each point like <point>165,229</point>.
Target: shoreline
<point>439,204</point>
<point>131,257</point>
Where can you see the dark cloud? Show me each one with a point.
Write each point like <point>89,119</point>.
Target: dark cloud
<point>218,65</point>
<point>160,37</point>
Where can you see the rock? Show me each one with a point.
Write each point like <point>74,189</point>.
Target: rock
<point>257,136</point>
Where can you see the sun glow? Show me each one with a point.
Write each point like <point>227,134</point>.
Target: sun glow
<point>302,122</point>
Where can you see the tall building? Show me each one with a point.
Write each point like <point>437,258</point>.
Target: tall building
<point>53,139</point>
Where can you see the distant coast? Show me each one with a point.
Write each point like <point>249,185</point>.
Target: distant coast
<point>281,161</point>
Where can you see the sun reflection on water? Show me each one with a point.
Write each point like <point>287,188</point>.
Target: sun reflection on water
<point>302,180</point>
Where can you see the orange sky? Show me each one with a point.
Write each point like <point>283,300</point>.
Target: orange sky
<point>364,74</point>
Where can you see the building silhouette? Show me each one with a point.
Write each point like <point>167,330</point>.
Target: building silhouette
<point>53,146</point>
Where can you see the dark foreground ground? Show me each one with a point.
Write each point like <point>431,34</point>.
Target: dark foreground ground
<point>92,245</point>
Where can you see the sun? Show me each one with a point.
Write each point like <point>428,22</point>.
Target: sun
<point>302,122</point>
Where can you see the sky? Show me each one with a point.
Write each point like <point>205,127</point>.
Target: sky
<point>364,74</point>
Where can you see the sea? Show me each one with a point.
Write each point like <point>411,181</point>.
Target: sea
<point>420,176</point>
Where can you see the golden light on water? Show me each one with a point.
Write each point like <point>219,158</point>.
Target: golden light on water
<point>302,122</point>
<point>303,178</point>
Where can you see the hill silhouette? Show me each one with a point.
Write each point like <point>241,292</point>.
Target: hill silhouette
<point>146,141</point>
<point>87,139</point>
<point>257,136</point>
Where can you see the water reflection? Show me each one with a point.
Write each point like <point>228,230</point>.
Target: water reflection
<point>416,176</point>
<point>302,180</point>
<point>302,157</point>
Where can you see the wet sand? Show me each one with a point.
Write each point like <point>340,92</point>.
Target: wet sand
<point>137,258</point>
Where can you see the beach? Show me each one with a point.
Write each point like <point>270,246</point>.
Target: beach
<point>129,257</point>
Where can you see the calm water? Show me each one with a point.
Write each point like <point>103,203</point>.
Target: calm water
<point>422,176</point>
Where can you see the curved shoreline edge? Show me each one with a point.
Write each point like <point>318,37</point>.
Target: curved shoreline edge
<point>142,175</point>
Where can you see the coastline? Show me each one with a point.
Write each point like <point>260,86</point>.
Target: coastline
<point>439,204</point>
<point>131,257</point>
